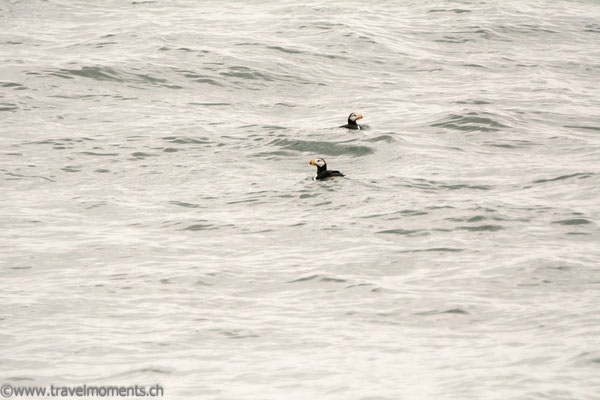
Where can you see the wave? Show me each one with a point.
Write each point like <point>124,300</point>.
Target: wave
<point>471,122</point>
<point>322,148</point>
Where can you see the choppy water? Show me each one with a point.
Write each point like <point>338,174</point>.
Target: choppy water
<point>160,223</point>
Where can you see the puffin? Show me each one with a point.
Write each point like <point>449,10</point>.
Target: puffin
<point>352,118</point>
<point>322,172</point>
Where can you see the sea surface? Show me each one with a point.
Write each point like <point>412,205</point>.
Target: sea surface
<point>160,223</point>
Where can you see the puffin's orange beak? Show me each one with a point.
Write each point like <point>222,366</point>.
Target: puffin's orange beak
<point>359,116</point>
<point>312,162</point>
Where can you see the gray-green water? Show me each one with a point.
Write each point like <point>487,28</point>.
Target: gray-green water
<point>160,223</point>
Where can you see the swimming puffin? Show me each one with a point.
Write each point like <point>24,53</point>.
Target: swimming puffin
<point>352,118</point>
<point>322,172</point>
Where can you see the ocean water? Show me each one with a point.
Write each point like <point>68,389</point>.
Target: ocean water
<point>160,223</point>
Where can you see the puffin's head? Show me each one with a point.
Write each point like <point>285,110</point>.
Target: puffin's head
<point>354,117</point>
<point>318,162</point>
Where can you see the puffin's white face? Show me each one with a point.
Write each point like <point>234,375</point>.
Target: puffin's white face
<point>317,162</point>
<point>354,116</point>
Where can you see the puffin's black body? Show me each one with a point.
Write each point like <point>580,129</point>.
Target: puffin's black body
<point>322,171</point>
<point>352,124</point>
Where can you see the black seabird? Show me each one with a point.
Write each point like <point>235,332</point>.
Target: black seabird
<point>322,172</point>
<point>352,118</point>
